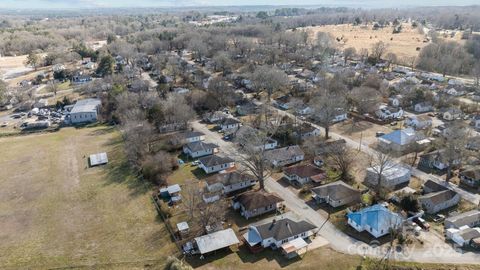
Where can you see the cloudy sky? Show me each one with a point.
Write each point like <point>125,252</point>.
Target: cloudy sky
<point>49,4</point>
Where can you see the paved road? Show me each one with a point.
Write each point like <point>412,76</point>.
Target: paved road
<point>437,252</point>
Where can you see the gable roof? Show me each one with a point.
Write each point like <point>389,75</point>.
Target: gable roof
<point>465,218</point>
<point>200,146</point>
<point>336,191</point>
<point>377,217</point>
<point>215,241</point>
<point>230,121</point>
<point>283,228</point>
<point>229,178</point>
<point>86,105</point>
<point>193,134</point>
<point>433,186</point>
<point>303,171</point>
<point>439,197</point>
<point>401,137</point>
<point>257,199</point>
<point>472,173</point>
<point>214,160</point>
<point>284,153</point>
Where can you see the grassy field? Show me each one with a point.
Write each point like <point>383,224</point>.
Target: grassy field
<point>56,212</point>
<point>404,44</point>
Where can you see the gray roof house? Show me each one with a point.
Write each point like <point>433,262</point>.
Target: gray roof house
<point>470,219</point>
<point>336,194</point>
<point>439,199</point>
<point>285,156</point>
<point>193,136</point>
<point>255,203</point>
<point>229,123</point>
<point>278,232</point>
<point>200,149</point>
<point>393,176</point>
<point>423,107</point>
<point>214,163</point>
<point>230,182</point>
<point>470,177</point>
<point>85,111</point>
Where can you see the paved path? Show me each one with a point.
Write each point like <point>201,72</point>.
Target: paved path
<point>439,252</point>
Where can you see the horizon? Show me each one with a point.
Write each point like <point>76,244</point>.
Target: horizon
<point>112,4</point>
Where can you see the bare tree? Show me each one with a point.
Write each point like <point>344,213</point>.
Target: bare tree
<point>453,146</point>
<point>364,99</point>
<point>380,163</point>
<point>378,49</point>
<point>348,53</point>
<point>327,106</point>
<point>269,79</point>
<point>476,73</point>
<point>341,157</point>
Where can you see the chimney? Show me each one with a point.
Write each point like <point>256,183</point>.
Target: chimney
<point>273,224</point>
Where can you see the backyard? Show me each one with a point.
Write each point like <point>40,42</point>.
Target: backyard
<point>57,212</point>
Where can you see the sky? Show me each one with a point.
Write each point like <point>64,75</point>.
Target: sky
<point>61,4</point>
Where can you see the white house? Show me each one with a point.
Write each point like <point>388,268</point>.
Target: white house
<point>85,111</point>
<point>418,122</point>
<point>304,110</point>
<point>341,115</point>
<point>212,164</point>
<point>463,235</point>
<point>376,220</point>
<point>385,112</point>
<point>303,174</point>
<point>229,124</point>
<point>194,136</point>
<point>278,232</point>
<point>285,156</point>
<point>393,175</point>
<point>200,149</point>
<point>452,114</point>
<point>229,182</point>
<point>423,107</point>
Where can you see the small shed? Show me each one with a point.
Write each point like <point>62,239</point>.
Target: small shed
<point>172,192</point>
<point>98,159</point>
<point>215,241</point>
<point>294,248</point>
<point>183,228</point>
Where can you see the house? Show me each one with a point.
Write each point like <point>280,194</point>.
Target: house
<point>387,112</point>
<point>90,65</point>
<point>470,219</point>
<point>463,236</point>
<point>214,163</point>
<point>193,136</point>
<point>229,123</point>
<point>284,156</point>
<point>250,136</point>
<point>214,241</point>
<point>81,79</point>
<point>434,160</point>
<point>303,174</point>
<point>276,233</point>
<point>423,107</point>
<point>214,117</point>
<point>98,159</point>
<point>476,121</point>
<point>376,220</point>
<point>282,102</point>
<point>431,186</point>
<point>200,149</point>
<point>247,109</point>
<point>58,68</point>
<point>435,202</point>
<point>304,110</point>
<point>393,176</point>
<point>85,111</point>
<point>451,114</point>
<point>336,194</point>
<point>230,182</point>
<point>470,177</point>
<point>255,203</point>
<point>306,131</point>
<point>41,103</point>
<point>395,101</point>
<point>399,140</point>
<point>419,122</point>
<point>340,115</point>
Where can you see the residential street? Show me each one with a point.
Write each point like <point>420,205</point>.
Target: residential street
<point>437,252</point>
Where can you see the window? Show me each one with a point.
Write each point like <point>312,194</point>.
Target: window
<point>284,241</point>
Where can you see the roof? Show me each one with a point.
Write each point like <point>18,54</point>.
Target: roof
<point>472,173</point>
<point>439,197</point>
<point>284,153</point>
<point>433,186</point>
<point>257,199</point>
<point>470,233</point>
<point>390,171</point>
<point>182,226</point>
<point>336,191</point>
<point>230,121</point>
<point>229,178</point>
<point>465,218</point>
<point>303,171</point>
<point>171,189</point>
<point>284,228</point>
<point>377,217</point>
<point>86,105</point>
<point>200,146</point>
<point>215,241</point>
<point>98,159</point>
<point>294,245</point>
<point>193,134</point>
<point>401,137</point>
<point>214,160</point>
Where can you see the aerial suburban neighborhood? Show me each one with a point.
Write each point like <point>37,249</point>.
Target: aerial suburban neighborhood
<point>138,135</point>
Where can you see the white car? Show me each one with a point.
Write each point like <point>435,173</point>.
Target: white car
<point>4,124</point>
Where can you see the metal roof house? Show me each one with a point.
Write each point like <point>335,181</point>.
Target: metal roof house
<point>215,241</point>
<point>398,140</point>
<point>376,220</point>
<point>85,111</point>
<point>393,176</point>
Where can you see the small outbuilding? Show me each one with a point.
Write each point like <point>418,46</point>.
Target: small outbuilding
<point>216,241</point>
<point>98,159</point>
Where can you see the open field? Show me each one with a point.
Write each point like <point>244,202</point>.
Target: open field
<point>56,212</point>
<point>403,44</point>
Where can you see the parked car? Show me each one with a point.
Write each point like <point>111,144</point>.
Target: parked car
<point>4,124</point>
<point>422,223</point>
<point>379,134</point>
<point>438,218</point>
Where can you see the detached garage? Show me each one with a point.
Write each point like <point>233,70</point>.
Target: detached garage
<point>98,159</point>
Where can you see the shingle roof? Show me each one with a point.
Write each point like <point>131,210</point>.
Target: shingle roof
<point>214,160</point>
<point>230,121</point>
<point>465,218</point>
<point>200,146</point>
<point>470,233</point>
<point>472,173</point>
<point>229,178</point>
<point>304,171</point>
<point>439,197</point>
<point>284,228</point>
<point>193,134</point>
<point>433,186</point>
<point>336,191</point>
<point>284,153</point>
<point>257,199</point>
<point>86,105</point>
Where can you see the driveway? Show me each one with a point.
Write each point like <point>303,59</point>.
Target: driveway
<point>436,252</point>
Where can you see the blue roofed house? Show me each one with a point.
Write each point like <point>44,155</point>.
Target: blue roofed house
<point>376,220</point>
<point>399,140</point>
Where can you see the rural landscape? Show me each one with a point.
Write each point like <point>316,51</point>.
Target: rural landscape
<point>140,135</point>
